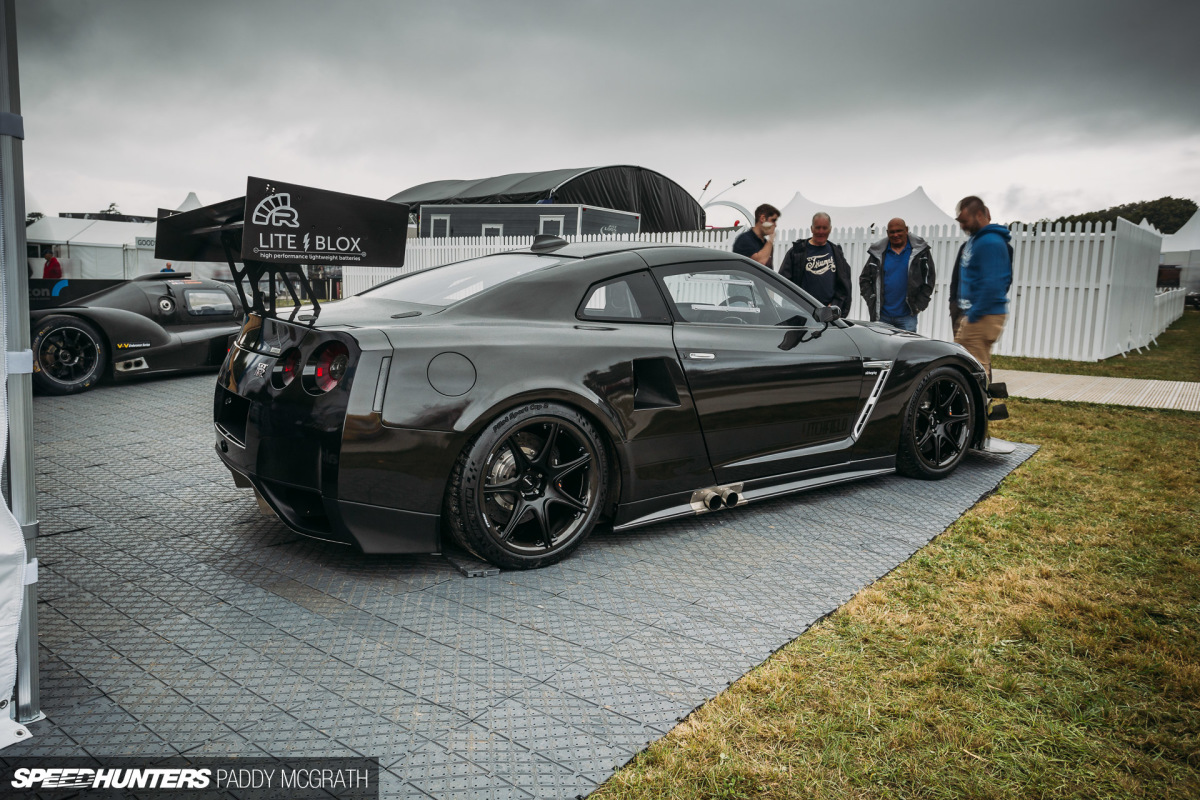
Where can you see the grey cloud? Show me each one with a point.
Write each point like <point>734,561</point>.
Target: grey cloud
<point>386,94</point>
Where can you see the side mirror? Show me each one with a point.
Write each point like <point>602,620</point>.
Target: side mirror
<point>827,314</point>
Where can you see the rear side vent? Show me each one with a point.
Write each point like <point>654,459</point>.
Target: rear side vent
<point>653,384</point>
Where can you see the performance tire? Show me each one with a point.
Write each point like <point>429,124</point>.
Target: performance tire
<point>69,355</point>
<point>530,488</point>
<point>937,427</point>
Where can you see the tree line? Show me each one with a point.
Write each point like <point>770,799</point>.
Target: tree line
<point>1168,214</point>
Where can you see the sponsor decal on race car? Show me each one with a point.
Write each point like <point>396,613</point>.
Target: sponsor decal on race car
<point>131,345</point>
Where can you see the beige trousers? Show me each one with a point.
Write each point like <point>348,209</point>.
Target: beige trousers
<point>978,337</point>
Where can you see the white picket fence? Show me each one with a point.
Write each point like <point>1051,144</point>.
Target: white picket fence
<point>1080,292</point>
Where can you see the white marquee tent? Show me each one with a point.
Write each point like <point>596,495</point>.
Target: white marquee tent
<point>1182,249</point>
<point>914,208</point>
<point>104,249</point>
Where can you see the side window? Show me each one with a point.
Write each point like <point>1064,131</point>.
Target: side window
<point>728,294</point>
<point>630,298</point>
<point>207,302</point>
<point>439,226</point>
<point>551,225</point>
<point>493,230</point>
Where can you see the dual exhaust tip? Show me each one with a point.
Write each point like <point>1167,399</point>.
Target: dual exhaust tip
<point>716,499</point>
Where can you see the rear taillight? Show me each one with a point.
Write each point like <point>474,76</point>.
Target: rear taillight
<point>287,367</point>
<point>326,367</point>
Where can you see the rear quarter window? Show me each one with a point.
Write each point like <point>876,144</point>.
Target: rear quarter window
<point>630,298</point>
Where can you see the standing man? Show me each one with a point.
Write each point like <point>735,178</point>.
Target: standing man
<point>897,281</point>
<point>985,275</point>
<point>51,270</point>
<point>819,267</point>
<point>758,243</point>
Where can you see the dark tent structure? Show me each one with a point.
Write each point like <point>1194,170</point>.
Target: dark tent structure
<point>663,204</point>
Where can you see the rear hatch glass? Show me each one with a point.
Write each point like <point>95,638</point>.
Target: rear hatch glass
<point>445,286</point>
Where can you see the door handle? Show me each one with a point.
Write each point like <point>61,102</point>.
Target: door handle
<point>701,356</point>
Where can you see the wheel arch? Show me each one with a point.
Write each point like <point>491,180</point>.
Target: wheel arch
<point>601,414</point>
<point>77,313</point>
<point>978,392</point>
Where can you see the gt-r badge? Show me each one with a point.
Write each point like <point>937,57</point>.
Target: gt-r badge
<point>261,370</point>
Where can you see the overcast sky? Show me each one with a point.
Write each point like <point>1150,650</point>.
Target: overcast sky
<point>1041,107</point>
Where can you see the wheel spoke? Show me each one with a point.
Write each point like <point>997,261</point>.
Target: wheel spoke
<point>937,448</point>
<point>925,438</point>
<point>519,457</point>
<point>542,459</point>
<point>956,418</point>
<point>518,514</point>
<point>562,498</point>
<point>539,516</point>
<point>505,487</point>
<point>954,393</point>
<point>557,473</point>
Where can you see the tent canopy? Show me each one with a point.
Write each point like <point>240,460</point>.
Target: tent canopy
<point>1185,239</point>
<point>914,208</point>
<point>663,204</point>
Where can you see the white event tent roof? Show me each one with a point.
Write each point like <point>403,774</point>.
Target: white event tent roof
<point>914,208</point>
<point>1185,239</point>
<point>98,248</point>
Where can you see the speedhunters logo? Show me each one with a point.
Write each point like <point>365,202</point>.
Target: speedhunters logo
<point>253,779</point>
<point>285,223</point>
<point>70,778</point>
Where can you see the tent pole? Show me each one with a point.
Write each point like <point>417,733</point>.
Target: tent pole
<point>21,484</point>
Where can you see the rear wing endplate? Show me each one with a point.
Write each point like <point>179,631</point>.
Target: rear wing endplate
<point>277,229</point>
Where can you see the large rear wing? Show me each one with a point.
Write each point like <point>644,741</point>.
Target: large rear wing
<point>277,229</point>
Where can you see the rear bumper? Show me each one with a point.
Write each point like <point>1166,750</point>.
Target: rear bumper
<point>322,462</point>
<point>370,528</point>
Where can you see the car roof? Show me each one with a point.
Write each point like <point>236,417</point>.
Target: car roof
<point>654,253</point>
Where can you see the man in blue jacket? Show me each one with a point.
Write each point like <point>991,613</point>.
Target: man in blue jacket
<point>985,278</point>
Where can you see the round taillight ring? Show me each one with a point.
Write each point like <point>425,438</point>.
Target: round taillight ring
<point>287,367</point>
<point>326,367</point>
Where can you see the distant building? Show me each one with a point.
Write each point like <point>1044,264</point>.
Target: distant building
<point>662,204</point>
<point>523,219</point>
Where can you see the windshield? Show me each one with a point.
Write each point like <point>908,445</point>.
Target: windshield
<point>444,286</point>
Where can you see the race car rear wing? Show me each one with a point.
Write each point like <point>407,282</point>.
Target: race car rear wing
<point>277,229</point>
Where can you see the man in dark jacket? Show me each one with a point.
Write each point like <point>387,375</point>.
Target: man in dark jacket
<point>819,267</point>
<point>897,281</point>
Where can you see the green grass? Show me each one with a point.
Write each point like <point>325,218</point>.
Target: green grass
<point>1046,645</point>
<point>1175,358</point>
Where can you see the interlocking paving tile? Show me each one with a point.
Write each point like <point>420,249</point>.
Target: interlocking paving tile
<point>177,618</point>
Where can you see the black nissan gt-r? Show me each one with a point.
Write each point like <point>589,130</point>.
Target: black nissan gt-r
<point>516,401</point>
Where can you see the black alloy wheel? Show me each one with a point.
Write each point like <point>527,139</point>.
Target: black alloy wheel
<point>69,355</point>
<point>530,488</point>
<point>938,425</point>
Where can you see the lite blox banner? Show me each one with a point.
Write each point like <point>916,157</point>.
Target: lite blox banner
<point>194,779</point>
<point>290,224</point>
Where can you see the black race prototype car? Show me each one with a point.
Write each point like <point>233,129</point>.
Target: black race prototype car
<point>516,401</point>
<point>156,323</point>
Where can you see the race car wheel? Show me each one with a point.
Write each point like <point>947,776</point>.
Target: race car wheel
<point>69,355</point>
<point>936,430</point>
<point>530,488</point>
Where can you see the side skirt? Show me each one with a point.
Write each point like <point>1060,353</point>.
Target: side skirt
<point>858,470</point>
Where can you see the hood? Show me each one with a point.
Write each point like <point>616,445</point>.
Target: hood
<point>999,230</point>
<point>918,244</point>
